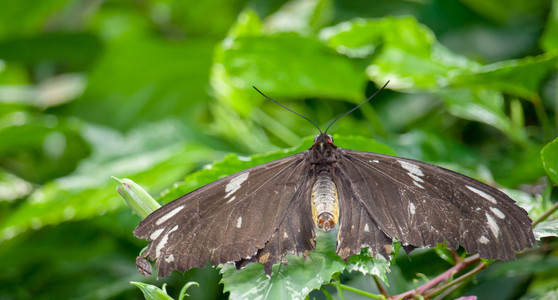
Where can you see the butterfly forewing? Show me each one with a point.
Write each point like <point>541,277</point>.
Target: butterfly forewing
<point>421,204</point>
<point>232,218</point>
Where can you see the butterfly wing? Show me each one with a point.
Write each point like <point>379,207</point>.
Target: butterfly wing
<point>421,204</point>
<point>253,213</point>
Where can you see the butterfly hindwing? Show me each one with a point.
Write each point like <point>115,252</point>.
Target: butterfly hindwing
<point>232,218</point>
<point>421,204</point>
<point>357,229</point>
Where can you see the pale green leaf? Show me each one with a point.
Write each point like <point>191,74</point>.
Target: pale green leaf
<point>151,292</point>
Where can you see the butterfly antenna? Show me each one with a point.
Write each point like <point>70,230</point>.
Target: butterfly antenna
<point>283,106</point>
<point>350,111</point>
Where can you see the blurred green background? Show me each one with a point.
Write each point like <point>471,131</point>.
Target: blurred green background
<point>154,90</point>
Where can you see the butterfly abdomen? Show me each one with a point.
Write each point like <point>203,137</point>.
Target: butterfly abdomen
<point>325,202</point>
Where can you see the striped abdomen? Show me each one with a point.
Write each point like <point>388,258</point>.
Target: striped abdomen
<point>325,203</point>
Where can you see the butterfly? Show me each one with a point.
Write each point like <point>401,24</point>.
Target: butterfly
<point>259,214</point>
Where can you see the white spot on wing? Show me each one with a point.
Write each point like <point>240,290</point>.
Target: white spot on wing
<point>415,177</point>
<point>482,194</point>
<point>492,225</point>
<point>232,199</point>
<point>163,242</point>
<point>413,171</point>
<point>498,213</point>
<point>285,235</point>
<point>412,208</point>
<point>169,215</point>
<point>156,234</point>
<point>170,258</point>
<point>418,184</point>
<point>239,222</point>
<point>235,183</point>
<point>412,168</point>
<point>483,240</point>
<point>366,228</point>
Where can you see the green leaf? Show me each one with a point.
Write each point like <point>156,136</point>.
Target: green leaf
<point>302,16</point>
<point>521,77</point>
<point>368,265</point>
<point>127,87</point>
<point>39,148</point>
<point>284,64</point>
<point>546,229</point>
<point>444,253</point>
<point>185,288</point>
<point>13,187</point>
<point>294,280</point>
<point>151,292</point>
<point>405,52</point>
<point>549,39</point>
<point>502,10</point>
<point>485,106</point>
<point>549,157</point>
<point>75,50</point>
<point>154,156</point>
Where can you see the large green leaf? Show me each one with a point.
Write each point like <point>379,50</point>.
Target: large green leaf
<point>282,65</point>
<point>293,280</point>
<point>405,52</point>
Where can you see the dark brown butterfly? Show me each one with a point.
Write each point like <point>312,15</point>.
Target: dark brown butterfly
<point>260,214</point>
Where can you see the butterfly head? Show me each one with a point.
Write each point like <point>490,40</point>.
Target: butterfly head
<point>323,138</point>
<point>322,149</point>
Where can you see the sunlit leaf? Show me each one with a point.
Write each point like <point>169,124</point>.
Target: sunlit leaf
<point>546,229</point>
<point>294,280</point>
<point>367,265</point>
<point>151,292</point>
<point>303,16</point>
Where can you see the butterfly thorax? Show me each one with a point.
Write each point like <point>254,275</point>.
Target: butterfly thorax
<point>325,201</point>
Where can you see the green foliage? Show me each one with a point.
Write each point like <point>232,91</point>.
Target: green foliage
<point>549,156</point>
<point>151,292</point>
<point>294,280</point>
<point>155,90</point>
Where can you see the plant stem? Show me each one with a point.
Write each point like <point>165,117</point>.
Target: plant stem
<point>326,293</point>
<point>338,287</point>
<point>461,279</point>
<point>546,214</point>
<point>541,115</point>
<point>380,286</point>
<point>361,292</point>
<point>440,278</point>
